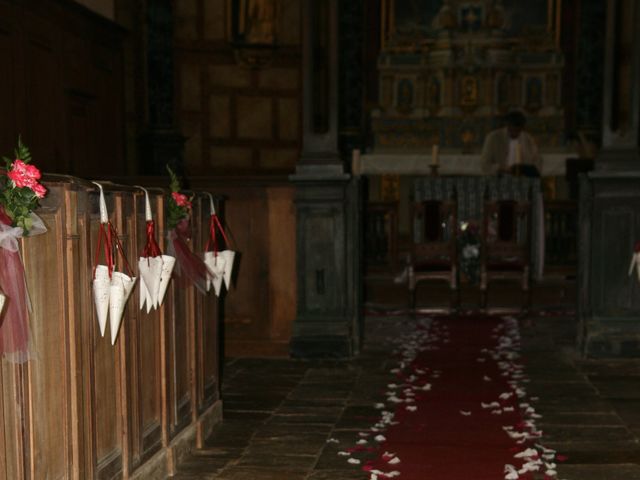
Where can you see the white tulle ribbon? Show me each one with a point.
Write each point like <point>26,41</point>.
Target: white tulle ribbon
<point>9,235</point>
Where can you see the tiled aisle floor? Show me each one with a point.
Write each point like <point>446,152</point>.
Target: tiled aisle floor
<point>279,413</point>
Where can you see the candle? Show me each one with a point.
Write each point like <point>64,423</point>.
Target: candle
<point>518,153</point>
<point>434,155</point>
<point>355,162</point>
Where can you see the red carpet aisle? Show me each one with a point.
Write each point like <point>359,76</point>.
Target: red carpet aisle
<point>457,407</point>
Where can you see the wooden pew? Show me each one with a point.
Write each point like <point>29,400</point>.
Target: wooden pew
<point>81,408</point>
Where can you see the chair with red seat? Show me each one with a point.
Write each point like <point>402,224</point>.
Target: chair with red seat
<point>506,246</point>
<point>433,247</point>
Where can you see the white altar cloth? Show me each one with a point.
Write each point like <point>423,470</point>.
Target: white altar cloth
<point>553,164</point>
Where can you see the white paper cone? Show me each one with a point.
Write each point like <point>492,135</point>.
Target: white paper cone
<point>155,273</point>
<point>217,284</point>
<point>207,261</point>
<point>101,291</point>
<point>143,293</point>
<point>147,207</point>
<point>145,296</point>
<point>634,260</point>
<point>150,270</point>
<point>229,256</point>
<point>168,262</point>
<point>212,207</point>
<point>121,288</point>
<point>3,298</point>
<point>216,265</point>
<point>104,215</point>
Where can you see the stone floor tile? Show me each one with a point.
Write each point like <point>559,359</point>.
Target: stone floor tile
<point>599,472</point>
<point>350,474</point>
<point>280,413</point>
<point>274,459</point>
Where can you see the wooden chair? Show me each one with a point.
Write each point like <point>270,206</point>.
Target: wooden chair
<point>506,246</point>
<point>433,247</point>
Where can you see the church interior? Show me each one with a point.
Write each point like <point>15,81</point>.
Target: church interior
<point>376,239</point>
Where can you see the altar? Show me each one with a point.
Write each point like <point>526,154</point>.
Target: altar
<point>397,163</point>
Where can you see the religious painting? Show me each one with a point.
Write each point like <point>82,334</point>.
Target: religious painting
<point>533,94</point>
<point>411,23</point>
<point>413,17</point>
<point>404,96</point>
<point>390,187</point>
<point>471,15</point>
<point>531,16</point>
<point>502,91</point>
<point>552,90</point>
<point>469,91</point>
<point>253,22</point>
<point>433,93</point>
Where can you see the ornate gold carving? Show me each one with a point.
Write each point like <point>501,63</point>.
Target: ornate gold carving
<point>469,92</point>
<point>390,187</point>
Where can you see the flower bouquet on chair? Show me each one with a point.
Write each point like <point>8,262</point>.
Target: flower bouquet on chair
<point>220,263</point>
<point>189,267</point>
<point>155,268</point>
<point>111,288</point>
<point>469,248</point>
<point>20,193</point>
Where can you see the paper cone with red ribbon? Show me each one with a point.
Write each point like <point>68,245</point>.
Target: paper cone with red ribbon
<point>101,289</point>
<point>216,267</point>
<point>145,296</point>
<point>168,262</point>
<point>119,292</point>
<point>151,264</point>
<point>220,262</point>
<point>111,288</point>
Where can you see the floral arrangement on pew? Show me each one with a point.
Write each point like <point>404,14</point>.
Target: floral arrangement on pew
<point>469,248</point>
<point>20,194</point>
<point>189,267</point>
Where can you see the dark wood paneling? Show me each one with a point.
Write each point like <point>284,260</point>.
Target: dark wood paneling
<point>61,87</point>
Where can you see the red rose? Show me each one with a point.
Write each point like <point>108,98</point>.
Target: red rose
<point>24,175</point>
<point>39,190</point>
<point>181,200</point>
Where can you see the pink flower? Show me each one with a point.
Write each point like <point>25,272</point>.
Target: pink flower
<point>24,175</point>
<point>33,172</point>
<point>39,190</point>
<point>181,200</point>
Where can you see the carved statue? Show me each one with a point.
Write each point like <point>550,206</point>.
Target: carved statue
<point>258,20</point>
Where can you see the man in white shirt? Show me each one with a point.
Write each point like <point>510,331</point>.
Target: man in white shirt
<point>510,147</point>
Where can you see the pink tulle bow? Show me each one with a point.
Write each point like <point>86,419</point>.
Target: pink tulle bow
<point>188,266</point>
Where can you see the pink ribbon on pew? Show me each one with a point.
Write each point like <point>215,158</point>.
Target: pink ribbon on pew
<point>14,319</point>
<point>189,267</point>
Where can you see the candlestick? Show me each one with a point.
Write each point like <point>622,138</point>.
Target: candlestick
<point>434,155</point>
<point>355,162</point>
<point>518,153</point>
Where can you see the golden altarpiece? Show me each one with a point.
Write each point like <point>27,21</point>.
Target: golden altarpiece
<point>449,69</point>
<point>447,72</point>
